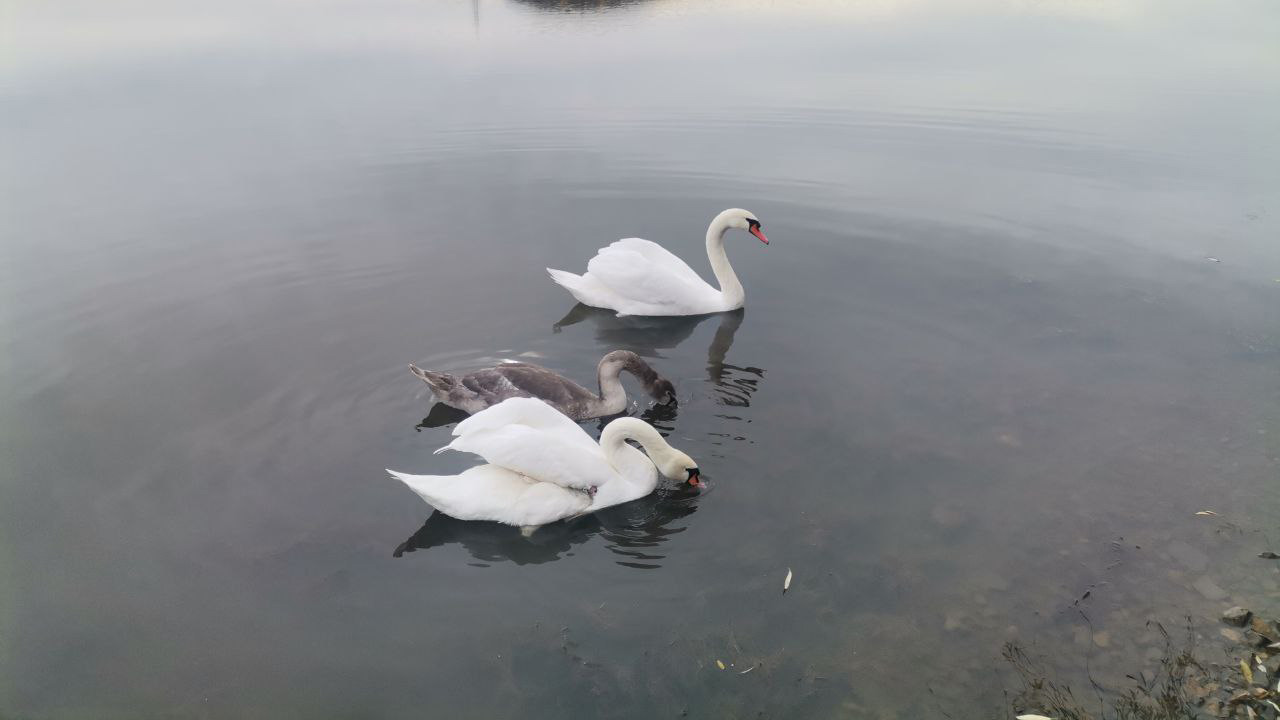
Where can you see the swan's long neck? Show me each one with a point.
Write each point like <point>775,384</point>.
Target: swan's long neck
<point>730,287</point>
<point>639,477</point>
<point>613,397</point>
<point>617,433</point>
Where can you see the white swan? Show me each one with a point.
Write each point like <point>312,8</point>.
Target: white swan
<point>543,467</point>
<point>638,277</point>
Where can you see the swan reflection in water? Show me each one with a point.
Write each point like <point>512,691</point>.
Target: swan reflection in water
<point>635,530</point>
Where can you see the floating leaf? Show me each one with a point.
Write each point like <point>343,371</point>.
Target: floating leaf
<point>1206,512</point>
<point>786,584</point>
<point>744,672</point>
<point>1033,717</point>
<point>1248,674</point>
<point>719,664</point>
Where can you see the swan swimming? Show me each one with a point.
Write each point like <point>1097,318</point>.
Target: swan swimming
<point>542,467</point>
<point>478,390</point>
<point>638,277</point>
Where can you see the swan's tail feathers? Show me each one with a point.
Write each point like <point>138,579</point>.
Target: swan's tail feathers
<point>416,483</point>
<point>565,279</point>
<point>412,482</point>
<point>575,284</point>
<point>440,383</point>
<point>422,485</point>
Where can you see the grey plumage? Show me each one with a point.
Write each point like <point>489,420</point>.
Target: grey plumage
<point>478,390</point>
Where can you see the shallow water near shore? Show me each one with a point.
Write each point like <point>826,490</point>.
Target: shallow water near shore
<point>1018,322</point>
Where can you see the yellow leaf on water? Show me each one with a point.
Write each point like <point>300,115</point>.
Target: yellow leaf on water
<point>719,664</point>
<point>1248,674</point>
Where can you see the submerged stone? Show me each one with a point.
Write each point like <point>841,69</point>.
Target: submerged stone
<point>1237,616</point>
<point>1209,588</point>
<point>1265,629</point>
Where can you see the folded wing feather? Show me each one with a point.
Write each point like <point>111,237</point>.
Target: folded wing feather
<point>529,437</point>
<point>646,274</point>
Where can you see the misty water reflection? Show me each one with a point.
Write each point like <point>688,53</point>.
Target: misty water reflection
<point>569,6</point>
<point>994,346</point>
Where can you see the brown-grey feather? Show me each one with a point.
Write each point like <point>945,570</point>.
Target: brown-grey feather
<point>483,388</point>
<point>658,387</point>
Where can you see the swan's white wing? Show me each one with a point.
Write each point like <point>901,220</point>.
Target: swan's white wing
<point>529,437</point>
<point>487,492</point>
<point>650,280</point>
<point>659,257</point>
<point>531,412</point>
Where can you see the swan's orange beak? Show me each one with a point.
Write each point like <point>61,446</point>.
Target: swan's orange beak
<point>755,230</point>
<point>693,477</point>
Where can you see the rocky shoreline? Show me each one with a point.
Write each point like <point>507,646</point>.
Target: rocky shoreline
<point>1246,685</point>
<point>1250,688</point>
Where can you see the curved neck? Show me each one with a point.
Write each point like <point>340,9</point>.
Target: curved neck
<point>730,287</point>
<point>617,433</point>
<point>613,397</point>
<point>637,474</point>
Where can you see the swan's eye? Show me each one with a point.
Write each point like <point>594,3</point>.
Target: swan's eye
<point>753,224</point>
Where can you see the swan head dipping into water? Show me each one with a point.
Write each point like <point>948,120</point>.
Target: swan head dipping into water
<point>485,388</point>
<point>614,363</point>
<point>542,467</point>
<point>672,463</point>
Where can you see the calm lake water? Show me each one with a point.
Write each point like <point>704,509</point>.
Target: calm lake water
<point>1019,321</point>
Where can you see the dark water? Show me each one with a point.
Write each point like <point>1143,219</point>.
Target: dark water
<point>986,365</point>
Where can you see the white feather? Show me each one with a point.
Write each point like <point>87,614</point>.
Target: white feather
<point>527,436</point>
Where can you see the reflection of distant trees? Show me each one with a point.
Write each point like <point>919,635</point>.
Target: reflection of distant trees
<point>580,5</point>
